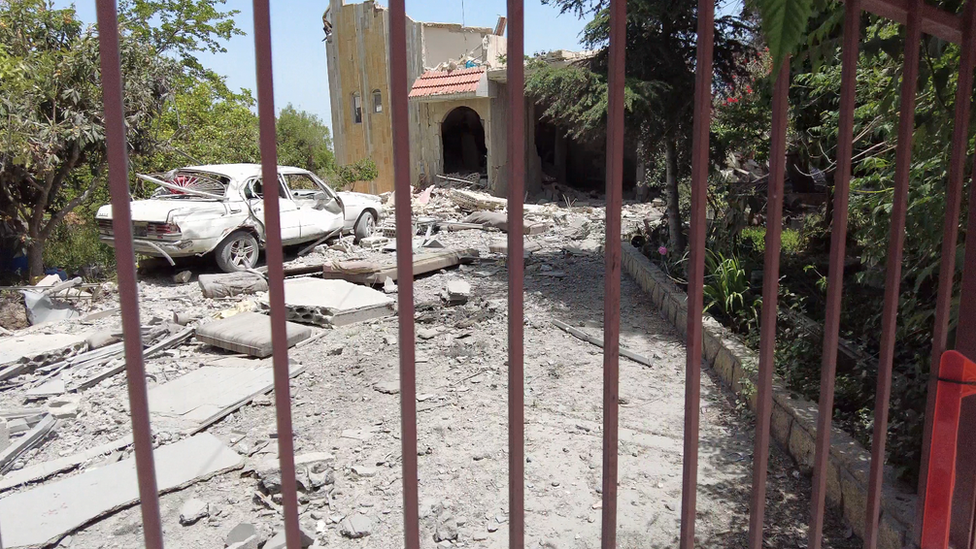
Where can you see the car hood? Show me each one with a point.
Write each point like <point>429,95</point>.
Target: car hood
<point>163,211</point>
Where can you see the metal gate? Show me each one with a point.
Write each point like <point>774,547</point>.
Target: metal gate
<point>917,16</point>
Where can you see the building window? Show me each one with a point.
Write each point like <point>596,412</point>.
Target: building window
<point>377,101</point>
<point>357,108</point>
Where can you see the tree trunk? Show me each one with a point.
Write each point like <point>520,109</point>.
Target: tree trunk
<point>35,258</point>
<point>675,228</point>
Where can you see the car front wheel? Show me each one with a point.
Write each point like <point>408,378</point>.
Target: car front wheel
<point>238,252</point>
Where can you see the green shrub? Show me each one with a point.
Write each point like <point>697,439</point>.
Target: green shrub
<point>75,247</point>
<point>789,239</point>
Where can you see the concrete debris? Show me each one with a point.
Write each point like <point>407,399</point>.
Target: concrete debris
<point>363,471</point>
<point>4,435</point>
<point>227,285</point>
<point>333,302</point>
<point>42,471</point>
<point>182,277</point>
<point>242,536</point>
<point>447,528</point>
<point>356,526</point>
<point>279,540</point>
<point>391,387</point>
<point>42,515</point>
<point>193,510</point>
<point>33,438</point>
<point>427,333</point>
<point>65,407</point>
<point>458,292</point>
<point>184,318</point>
<point>500,246</point>
<point>103,338</point>
<point>389,287</point>
<point>248,333</point>
<point>23,354</point>
<point>376,272</point>
<point>373,242</point>
<point>313,471</point>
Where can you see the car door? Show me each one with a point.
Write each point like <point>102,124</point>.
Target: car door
<point>319,210</point>
<point>288,210</point>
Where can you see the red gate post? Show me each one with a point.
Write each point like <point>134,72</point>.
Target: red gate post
<point>956,380</point>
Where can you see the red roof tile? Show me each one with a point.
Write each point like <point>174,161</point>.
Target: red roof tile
<point>447,82</point>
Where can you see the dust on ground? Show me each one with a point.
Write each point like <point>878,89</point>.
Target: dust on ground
<point>342,404</point>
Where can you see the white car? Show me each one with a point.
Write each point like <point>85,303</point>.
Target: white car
<point>220,208</point>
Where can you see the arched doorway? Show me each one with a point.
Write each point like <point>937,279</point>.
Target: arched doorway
<point>463,142</point>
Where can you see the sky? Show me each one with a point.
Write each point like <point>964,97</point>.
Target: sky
<point>299,60</point>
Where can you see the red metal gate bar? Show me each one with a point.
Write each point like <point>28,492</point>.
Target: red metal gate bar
<point>896,241</point>
<point>611,293</point>
<point>516,272</point>
<point>935,21</point>
<point>118,179</point>
<point>767,338</point>
<point>696,267</point>
<point>404,240</point>
<point>947,268</point>
<point>276,271</point>
<point>964,499</point>
<point>835,275</point>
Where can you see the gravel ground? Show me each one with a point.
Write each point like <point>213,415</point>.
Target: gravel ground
<point>462,419</point>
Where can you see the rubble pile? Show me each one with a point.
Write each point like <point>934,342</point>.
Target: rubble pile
<point>65,427</point>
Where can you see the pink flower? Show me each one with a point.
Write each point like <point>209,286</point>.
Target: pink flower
<point>662,250</point>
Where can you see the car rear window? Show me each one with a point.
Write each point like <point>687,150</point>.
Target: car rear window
<point>196,181</point>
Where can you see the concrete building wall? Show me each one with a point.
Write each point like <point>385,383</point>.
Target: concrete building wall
<point>428,144</point>
<point>358,63</point>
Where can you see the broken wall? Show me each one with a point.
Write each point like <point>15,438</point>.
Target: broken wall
<point>445,42</point>
<point>427,142</point>
<point>358,63</point>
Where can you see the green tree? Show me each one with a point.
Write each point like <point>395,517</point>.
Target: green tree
<point>51,124</point>
<point>304,141</point>
<point>660,77</point>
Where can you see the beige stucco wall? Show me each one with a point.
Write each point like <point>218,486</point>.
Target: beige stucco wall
<point>427,144</point>
<point>358,62</point>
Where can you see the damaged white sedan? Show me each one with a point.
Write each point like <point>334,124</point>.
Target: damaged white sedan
<point>220,209</point>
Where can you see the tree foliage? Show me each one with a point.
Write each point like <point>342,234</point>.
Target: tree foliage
<point>304,141</point>
<point>660,78</point>
<point>51,122</point>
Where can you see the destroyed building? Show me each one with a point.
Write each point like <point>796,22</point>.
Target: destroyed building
<point>458,105</point>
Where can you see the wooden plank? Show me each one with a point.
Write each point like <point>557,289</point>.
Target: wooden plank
<point>636,357</point>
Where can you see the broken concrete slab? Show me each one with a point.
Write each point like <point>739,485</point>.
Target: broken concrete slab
<point>65,407</point>
<point>41,516</point>
<point>373,242</point>
<point>42,471</point>
<point>356,526</point>
<point>389,287</point>
<point>33,437</point>
<point>199,395</point>
<point>193,510</point>
<point>500,246</point>
<point>227,285</point>
<point>182,277</point>
<point>103,338</point>
<point>279,542</point>
<point>248,333</point>
<point>53,387</point>
<point>21,354</point>
<point>241,534</point>
<point>334,302</point>
<point>458,291</point>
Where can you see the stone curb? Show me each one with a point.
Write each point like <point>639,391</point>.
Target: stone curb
<point>794,420</point>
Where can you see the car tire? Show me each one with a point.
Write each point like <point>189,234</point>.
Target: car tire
<point>237,252</point>
<point>365,225</point>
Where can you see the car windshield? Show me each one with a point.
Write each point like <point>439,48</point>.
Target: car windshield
<point>191,181</point>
